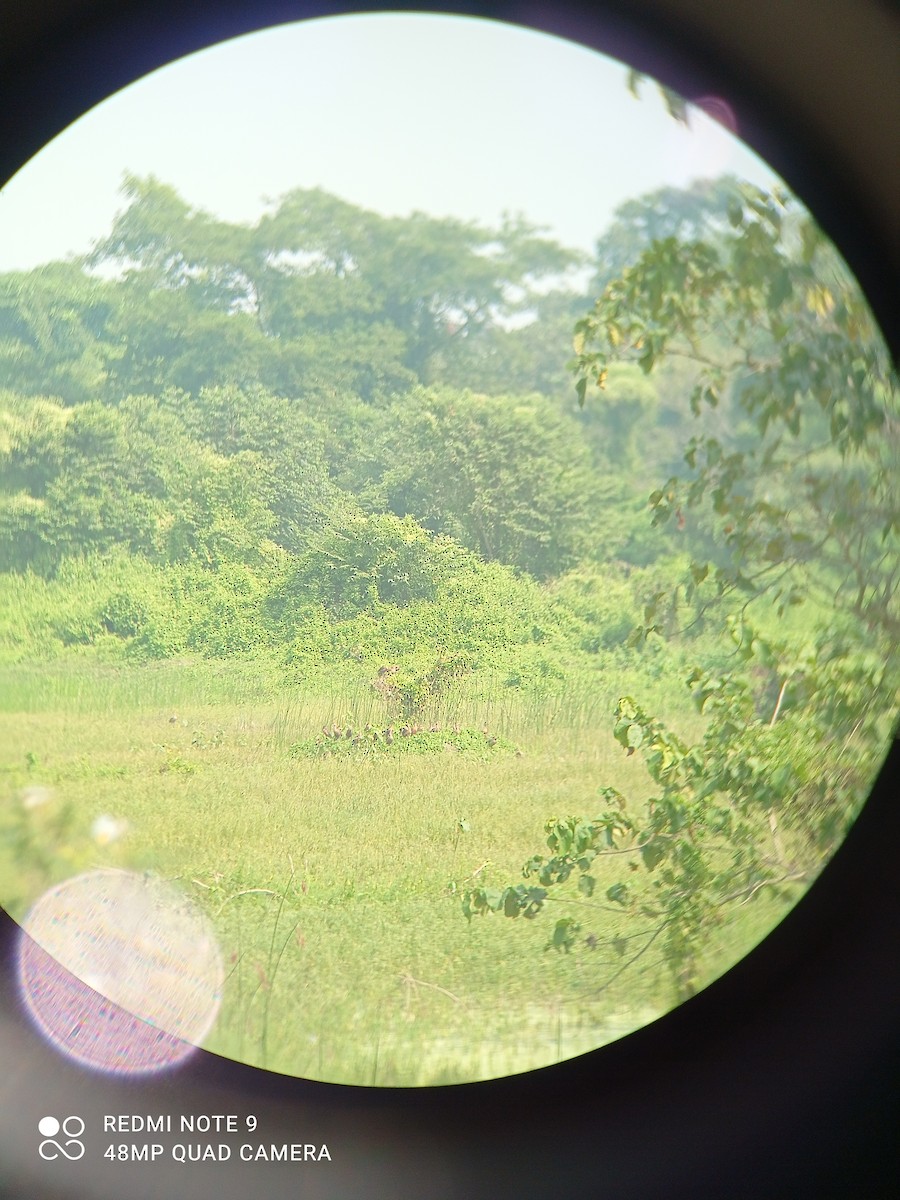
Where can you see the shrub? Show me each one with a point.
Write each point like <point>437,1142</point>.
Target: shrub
<point>362,561</point>
<point>604,603</point>
<point>123,615</point>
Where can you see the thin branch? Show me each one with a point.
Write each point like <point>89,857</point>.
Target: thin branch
<point>409,980</point>
<point>780,699</point>
<point>246,892</point>
<point>634,958</point>
<point>585,904</point>
<point>752,889</point>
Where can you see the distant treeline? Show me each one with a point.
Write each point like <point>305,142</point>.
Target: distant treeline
<point>196,390</point>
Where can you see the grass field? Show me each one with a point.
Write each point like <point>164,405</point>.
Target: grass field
<point>334,883</point>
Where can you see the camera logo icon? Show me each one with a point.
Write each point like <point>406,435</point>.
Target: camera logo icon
<point>72,1148</point>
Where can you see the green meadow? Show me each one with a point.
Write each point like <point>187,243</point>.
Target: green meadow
<point>334,884</point>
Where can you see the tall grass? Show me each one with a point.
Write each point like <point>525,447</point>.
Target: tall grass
<point>334,884</point>
<point>79,683</point>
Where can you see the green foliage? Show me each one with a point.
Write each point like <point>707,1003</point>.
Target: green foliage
<point>779,334</point>
<point>763,798</point>
<point>480,618</point>
<point>484,612</point>
<point>432,279</point>
<point>222,512</point>
<point>512,901</point>
<point>758,803</point>
<point>319,295</point>
<point>623,426</point>
<point>604,602</point>
<point>504,476</point>
<point>675,103</point>
<point>362,561</point>
<point>524,358</point>
<point>92,477</point>
<point>700,211</point>
<point>778,330</point>
<point>127,606</point>
<point>334,445</point>
<point>413,688</point>
<point>53,325</point>
<point>161,338</point>
<point>124,615</point>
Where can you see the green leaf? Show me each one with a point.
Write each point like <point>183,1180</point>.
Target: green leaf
<point>586,885</point>
<point>618,893</point>
<point>735,213</point>
<point>811,239</point>
<point>654,851</point>
<point>780,289</point>
<point>635,737</point>
<point>564,935</point>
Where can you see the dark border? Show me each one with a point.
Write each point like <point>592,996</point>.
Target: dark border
<point>778,1080</point>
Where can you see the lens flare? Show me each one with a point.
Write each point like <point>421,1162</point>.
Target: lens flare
<point>120,972</point>
<point>719,110</point>
<point>703,146</point>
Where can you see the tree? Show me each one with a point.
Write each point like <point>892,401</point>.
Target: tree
<point>502,475</point>
<point>93,476</point>
<point>699,211</point>
<point>812,505</point>
<point>626,419</point>
<point>521,358</point>
<point>310,282</point>
<point>434,279</point>
<point>363,561</point>
<point>219,512</point>
<point>778,331</point>
<point>79,479</point>
<point>161,339</point>
<point>54,332</point>
<point>283,436</point>
<point>161,238</point>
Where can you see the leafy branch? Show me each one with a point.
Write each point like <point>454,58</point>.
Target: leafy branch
<point>713,835</point>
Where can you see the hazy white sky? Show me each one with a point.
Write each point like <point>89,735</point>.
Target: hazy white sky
<point>395,112</point>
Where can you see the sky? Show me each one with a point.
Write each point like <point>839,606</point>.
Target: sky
<point>451,116</point>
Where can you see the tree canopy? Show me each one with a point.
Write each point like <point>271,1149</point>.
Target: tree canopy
<point>317,267</point>
<point>780,335</point>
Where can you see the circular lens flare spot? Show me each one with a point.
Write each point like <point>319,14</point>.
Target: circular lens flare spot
<point>720,110</point>
<point>704,146</point>
<point>120,972</point>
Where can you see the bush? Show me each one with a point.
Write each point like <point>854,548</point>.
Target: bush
<point>123,615</point>
<point>604,603</point>
<point>362,562</point>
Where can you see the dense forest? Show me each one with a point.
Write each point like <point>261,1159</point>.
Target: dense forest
<point>420,465</point>
<point>327,413</point>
